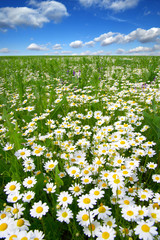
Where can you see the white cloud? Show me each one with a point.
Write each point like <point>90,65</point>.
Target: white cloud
<point>140,35</point>
<point>43,12</point>
<point>4,50</point>
<point>89,44</point>
<point>120,51</point>
<point>103,36</point>
<point>116,5</point>
<point>36,47</point>
<point>140,49</point>
<point>57,46</point>
<point>76,44</point>
<point>66,52</point>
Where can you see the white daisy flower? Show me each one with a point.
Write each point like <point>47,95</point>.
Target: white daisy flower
<point>64,215</point>
<point>86,201</point>
<point>29,182</point>
<point>28,196</point>
<point>106,232</point>
<point>85,217</point>
<point>64,199</point>
<point>146,230</point>
<point>39,209</point>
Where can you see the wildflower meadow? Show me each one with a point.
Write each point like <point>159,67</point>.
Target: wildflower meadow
<point>80,148</point>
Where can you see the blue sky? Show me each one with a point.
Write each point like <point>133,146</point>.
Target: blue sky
<point>80,27</point>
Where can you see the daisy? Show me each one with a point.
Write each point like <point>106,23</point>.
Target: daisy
<point>12,187</point>
<point>73,171</point>
<point>22,224</point>
<point>151,165</point>
<point>17,210</point>
<point>126,201</point>
<point>129,212</point>
<point>96,193</point>
<point>76,189</point>
<point>64,215</point>
<point>37,235</point>
<point>142,212</point>
<point>39,209</point>
<point>154,214</point>
<point>86,180</point>
<point>110,221</point>
<point>64,199</point>
<point>103,212</point>
<point>8,146</point>
<point>146,230</point>
<point>28,196</point>
<point>29,182</point>
<point>156,178</point>
<point>92,229</point>
<point>86,201</point>
<point>6,226</point>
<point>50,188</point>
<point>50,165</point>
<point>106,232</point>
<point>23,153</point>
<point>84,217</point>
<point>156,198</point>
<point>14,197</point>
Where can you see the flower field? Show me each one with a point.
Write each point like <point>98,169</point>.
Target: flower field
<point>79,148</point>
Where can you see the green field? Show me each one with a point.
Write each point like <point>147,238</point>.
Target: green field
<point>80,148</point>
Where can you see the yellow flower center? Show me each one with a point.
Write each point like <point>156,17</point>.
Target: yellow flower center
<point>16,210</point>
<point>85,217</point>
<point>126,202</point>
<point>116,181</point>
<point>73,171</point>
<point>122,142</point>
<point>91,227</point>
<point>12,237</point>
<point>3,215</point>
<point>109,223</point>
<point>9,147</point>
<point>86,180</point>
<point>106,175</point>
<point>20,222</point>
<point>130,213</point>
<point>143,196</point>
<point>96,193</point>
<point>24,238</point>
<point>101,209</point>
<point>105,235</point>
<point>51,165</point>
<point>29,197</point>
<point>3,227</point>
<point>141,212</point>
<point>157,178</point>
<point>30,181</point>
<point>154,215</point>
<point>15,198</point>
<point>39,209</point>
<point>76,189</point>
<point>64,199</point>
<point>49,189</point>
<point>37,151</point>
<point>86,171</point>
<point>22,153</point>
<point>12,187</point>
<point>64,214</point>
<point>145,228</point>
<point>86,200</point>
<point>119,161</point>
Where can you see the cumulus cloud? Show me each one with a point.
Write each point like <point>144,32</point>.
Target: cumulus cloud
<point>36,47</point>
<point>42,12</point>
<point>57,46</point>
<point>140,35</point>
<point>89,44</point>
<point>76,44</point>
<point>116,5</point>
<point>4,50</point>
<point>140,49</point>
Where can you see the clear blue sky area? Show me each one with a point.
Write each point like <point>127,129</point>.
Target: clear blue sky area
<point>80,27</point>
